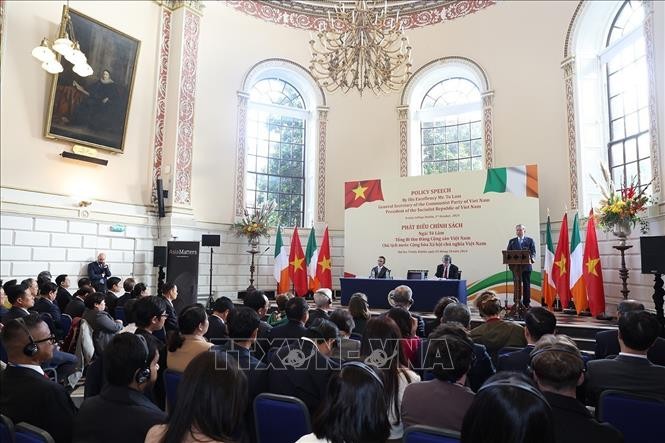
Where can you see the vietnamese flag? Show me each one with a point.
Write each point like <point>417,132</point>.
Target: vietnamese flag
<point>297,268</point>
<point>592,271</point>
<point>358,192</point>
<point>561,268</point>
<point>324,265</point>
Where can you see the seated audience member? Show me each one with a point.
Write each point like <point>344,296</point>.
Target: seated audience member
<point>297,312</point>
<point>43,277</point>
<point>278,318</point>
<point>495,333</point>
<point>217,328</point>
<point>407,328</point>
<point>150,314</point>
<point>189,341</point>
<point>607,342</point>
<point>345,348</point>
<point>122,413</point>
<point>76,306</point>
<point>354,410</point>
<point>84,283</point>
<point>211,403</point>
<point>128,287</point>
<point>259,302</point>
<point>170,293</point>
<point>302,368</point>
<point>45,305</point>
<point>449,357</point>
<point>322,301</point>
<point>32,286</point>
<point>380,348</point>
<point>26,394</point>
<point>538,322</point>
<point>440,307</point>
<point>3,310</point>
<point>402,297</point>
<point>359,309</point>
<point>140,291</point>
<point>482,367</point>
<point>102,324</point>
<point>630,371</point>
<point>21,300</point>
<point>508,409</point>
<point>558,369</point>
<point>113,293</point>
<point>64,296</point>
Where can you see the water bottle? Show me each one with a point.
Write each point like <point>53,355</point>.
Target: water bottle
<point>388,276</point>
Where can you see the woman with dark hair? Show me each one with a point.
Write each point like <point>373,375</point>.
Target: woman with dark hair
<point>359,309</point>
<point>407,325</point>
<point>508,408</point>
<point>211,403</point>
<point>495,333</point>
<point>440,307</point>
<point>354,411</point>
<point>380,347</point>
<point>189,341</point>
<point>102,324</point>
<point>139,290</point>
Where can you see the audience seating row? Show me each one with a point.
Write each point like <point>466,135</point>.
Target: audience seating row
<point>22,432</point>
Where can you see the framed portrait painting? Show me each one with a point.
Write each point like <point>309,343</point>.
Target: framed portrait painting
<point>94,110</point>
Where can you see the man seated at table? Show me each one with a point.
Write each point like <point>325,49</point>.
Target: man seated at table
<point>447,269</point>
<point>380,270</point>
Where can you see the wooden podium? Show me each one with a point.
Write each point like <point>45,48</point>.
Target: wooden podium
<point>517,261</point>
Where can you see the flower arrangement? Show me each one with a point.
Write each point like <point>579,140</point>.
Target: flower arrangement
<point>621,208</point>
<point>257,224</point>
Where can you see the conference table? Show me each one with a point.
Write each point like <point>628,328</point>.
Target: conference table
<point>426,293</point>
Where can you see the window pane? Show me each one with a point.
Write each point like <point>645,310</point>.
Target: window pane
<point>631,124</point>
<point>631,173</point>
<point>464,149</point>
<point>617,177</point>
<point>617,129</point>
<point>617,153</point>
<point>477,148</point>
<point>477,163</point>
<point>464,132</point>
<point>475,130</point>
<point>644,119</point>
<point>465,164</point>
<point>453,166</point>
<point>262,182</point>
<point>630,148</point>
<point>644,145</point>
<point>645,171</point>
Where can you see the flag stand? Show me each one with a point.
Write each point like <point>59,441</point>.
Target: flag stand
<point>623,271</point>
<point>252,268</point>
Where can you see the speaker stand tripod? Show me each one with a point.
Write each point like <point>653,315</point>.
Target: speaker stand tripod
<point>211,300</point>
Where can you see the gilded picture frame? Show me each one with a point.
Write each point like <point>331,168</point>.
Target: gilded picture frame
<point>94,110</point>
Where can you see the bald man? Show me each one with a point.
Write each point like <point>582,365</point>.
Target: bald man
<point>99,272</point>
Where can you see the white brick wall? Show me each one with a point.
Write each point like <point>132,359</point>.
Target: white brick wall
<point>82,227</point>
<point>126,244</point>
<point>16,222</point>
<point>50,225</point>
<point>6,237</point>
<point>66,240</point>
<point>16,253</point>
<point>50,254</point>
<point>31,238</point>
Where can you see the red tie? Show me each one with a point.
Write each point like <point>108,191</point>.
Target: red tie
<point>445,274</point>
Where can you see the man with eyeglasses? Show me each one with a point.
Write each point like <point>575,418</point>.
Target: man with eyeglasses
<point>150,316</point>
<point>26,394</point>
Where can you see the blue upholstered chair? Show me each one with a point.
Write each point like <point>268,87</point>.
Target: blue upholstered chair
<point>428,434</point>
<point>171,382</point>
<point>27,433</point>
<point>120,314</point>
<point>638,417</point>
<point>66,323</point>
<point>280,418</point>
<point>6,429</point>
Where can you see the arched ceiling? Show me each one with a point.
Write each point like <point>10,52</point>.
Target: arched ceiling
<point>313,14</point>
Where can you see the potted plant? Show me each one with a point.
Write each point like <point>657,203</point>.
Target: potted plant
<point>256,225</point>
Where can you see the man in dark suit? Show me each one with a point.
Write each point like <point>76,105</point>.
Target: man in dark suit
<point>99,272</point>
<point>538,322</point>
<point>130,366</point>
<point>21,299</point>
<point>447,269</point>
<point>76,307</point>
<point>63,297</point>
<point>217,327</point>
<point>170,294</point>
<point>630,371</point>
<point>322,301</point>
<point>380,270</point>
<point>607,342</point>
<point>26,394</point>
<point>302,368</point>
<point>402,297</point>
<point>112,295</point>
<point>297,312</point>
<point>482,367</point>
<point>522,242</point>
<point>45,304</point>
<point>258,301</point>
<point>558,368</point>
<point>128,286</point>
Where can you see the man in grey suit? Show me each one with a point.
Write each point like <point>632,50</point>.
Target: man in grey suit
<point>630,371</point>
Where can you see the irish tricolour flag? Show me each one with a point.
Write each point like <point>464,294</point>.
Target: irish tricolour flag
<point>519,180</point>
<point>281,270</point>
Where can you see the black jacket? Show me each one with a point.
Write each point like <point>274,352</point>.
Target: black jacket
<point>75,308</point>
<point>116,415</point>
<point>13,313</point>
<point>516,360</point>
<point>63,298</point>
<point>43,305</point>
<point>217,331</point>
<point>171,323</point>
<point>26,395</point>
<point>607,343</point>
<point>111,302</point>
<point>316,313</point>
<point>307,381</point>
<point>290,331</point>
<point>574,424</point>
<point>453,272</point>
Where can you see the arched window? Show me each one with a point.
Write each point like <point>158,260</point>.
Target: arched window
<point>281,143</point>
<point>276,134</point>
<point>624,62</point>
<point>612,97</point>
<point>449,111</point>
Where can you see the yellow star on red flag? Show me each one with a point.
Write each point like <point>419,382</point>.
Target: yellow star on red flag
<point>360,191</point>
<point>325,264</point>
<point>591,265</point>
<point>562,265</point>
<point>297,263</point>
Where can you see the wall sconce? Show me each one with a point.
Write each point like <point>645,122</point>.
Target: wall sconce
<point>83,205</point>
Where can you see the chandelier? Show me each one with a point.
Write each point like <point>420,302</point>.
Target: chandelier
<point>70,49</point>
<point>361,48</point>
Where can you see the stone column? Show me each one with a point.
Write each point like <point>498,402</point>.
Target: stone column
<point>403,116</point>
<point>568,66</point>
<point>321,176</point>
